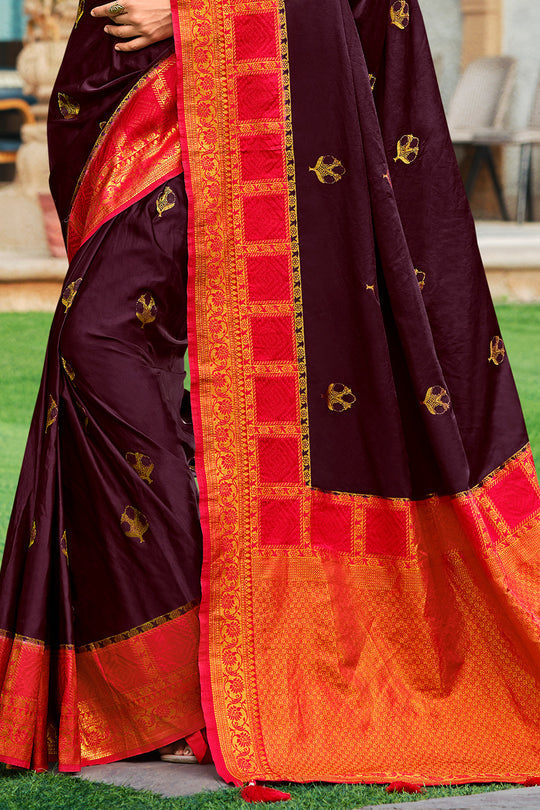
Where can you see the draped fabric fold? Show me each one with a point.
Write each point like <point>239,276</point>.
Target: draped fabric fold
<point>370,507</point>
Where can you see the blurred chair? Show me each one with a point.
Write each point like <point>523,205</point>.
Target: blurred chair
<point>477,112</point>
<point>9,144</point>
<point>527,139</point>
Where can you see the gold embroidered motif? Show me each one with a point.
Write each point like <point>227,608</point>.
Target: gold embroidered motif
<point>142,464</point>
<point>372,80</point>
<point>407,149</point>
<point>339,397</point>
<point>437,400</point>
<point>370,287</point>
<point>68,369</point>
<point>33,535</point>
<point>133,523</point>
<point>166,200</point>
<point>69,293</point>
<point>497,351</point>
<point>84,414</point>
<point>52,413</point>
<point>69,108</point>
<point>388,178</point>
<point>80,12</point>
<point>63,546</point>
<point>328,169</point>
<point>146,309</point>
<point>421,278</point>
<point>400,14</point>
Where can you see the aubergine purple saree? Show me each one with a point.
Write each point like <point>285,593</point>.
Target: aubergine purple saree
<point>369,505</point>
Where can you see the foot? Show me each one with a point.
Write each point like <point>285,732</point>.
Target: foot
<point>178,751</point>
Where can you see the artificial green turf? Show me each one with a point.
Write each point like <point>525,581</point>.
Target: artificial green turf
<point>59,792</point>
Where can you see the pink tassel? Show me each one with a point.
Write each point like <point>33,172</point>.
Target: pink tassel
<point>532,781</point>
<point>404,787</point>
<point>253,793</point>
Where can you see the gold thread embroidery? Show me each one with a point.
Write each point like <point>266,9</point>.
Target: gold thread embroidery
<point>52,413</point>
<point>497,351</point>
<point>70,292</point>
<point>142,464</point>
<point>407,149</point>
<point>68,369</point>
<point>84,414</point>
<point>133,523</point>
<point>339,397</point>
<point>437,400</point>
<point>165,201</point>
<point>372,80</point>
<point>328,169</point>
<point>400,14</point>
<point>370,287</point>
<point>63,546</point>
<point>33,535</point>
<point>69,107</point>
<point>146,309</point>
<point>388,178</point>
<point>421,278</point>
<point>80,12</point>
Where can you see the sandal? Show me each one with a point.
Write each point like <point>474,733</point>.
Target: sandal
<point>181,753</point>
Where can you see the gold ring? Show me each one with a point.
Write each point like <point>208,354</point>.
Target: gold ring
<point>116,9</point>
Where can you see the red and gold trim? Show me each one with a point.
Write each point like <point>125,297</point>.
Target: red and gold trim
<point>132,156</point>
<point>123,697</point>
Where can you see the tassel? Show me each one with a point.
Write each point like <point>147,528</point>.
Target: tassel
<point>532,781</point>
<point>253,793</point>
<point>404,787</point>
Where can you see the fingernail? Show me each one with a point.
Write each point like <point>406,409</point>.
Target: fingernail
<point>92,13</point>
<point>117,47</point>
<point>106,29</point>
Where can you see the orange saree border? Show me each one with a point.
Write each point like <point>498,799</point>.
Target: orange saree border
<point>436,649</point>
<point>126,697</point>
<point>131,157</point>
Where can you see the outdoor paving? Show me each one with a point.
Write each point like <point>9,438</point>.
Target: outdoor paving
<point>166,778</point>
<point>516,799</point>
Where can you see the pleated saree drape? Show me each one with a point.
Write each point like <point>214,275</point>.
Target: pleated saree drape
<point>369,506</point>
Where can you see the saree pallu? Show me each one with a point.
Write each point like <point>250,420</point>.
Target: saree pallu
<point>100,584</point>
<point>370,509</point>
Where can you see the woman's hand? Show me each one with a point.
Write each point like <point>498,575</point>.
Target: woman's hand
<point>147,21</point>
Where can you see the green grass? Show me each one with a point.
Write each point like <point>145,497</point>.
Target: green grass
<point>23,338</point>
<point>59,792</point>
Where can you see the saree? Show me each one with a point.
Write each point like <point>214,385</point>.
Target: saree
<point>369,506</point>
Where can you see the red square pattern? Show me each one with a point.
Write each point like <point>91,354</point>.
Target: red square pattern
<point>265,218</point>
<point>262,157</point>
<point>279,460</point>
<point>386,531</point>
<point>268,278</point>
<point>258,96</point>
<point>276,398</point>
<point>515,498</point>
<point>280,522</point>
<point>255,35</point>
<point>331,523</point>
<point>272,339</point>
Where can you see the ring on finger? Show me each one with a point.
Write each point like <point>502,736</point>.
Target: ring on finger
<point>116,9</point>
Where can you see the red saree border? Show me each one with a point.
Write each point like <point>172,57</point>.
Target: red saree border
<point>131,157</point>
<point>112,701</point>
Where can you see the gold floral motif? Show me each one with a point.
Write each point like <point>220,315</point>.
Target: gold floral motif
<point>146,309</point>
<point>52,413</point>
<point>421,278</point>
<point>84,414</point>
<point>63,546</point>
<point>165,201</point>
<point>328,169</point>
<point>370,287</point>
<point>133,523</point>
<point>407,149</point>
<point>142,464</point>
<point>372,80</point>
<point>69,108</point>
<point>437,400</point>
<point>497,352</point>
<point>70,292</point>
<point>80,12</point>
<point>400,14</point>
<point>68,369</point>
<point>339,397</point>
<point>33,535</point>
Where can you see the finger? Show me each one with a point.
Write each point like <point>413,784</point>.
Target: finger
<point>134,45</point>
<point>103,11</point>
<point>122,31</point>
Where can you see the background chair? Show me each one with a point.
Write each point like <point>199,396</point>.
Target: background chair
<point>9,144</point>
<point>477,112</point>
